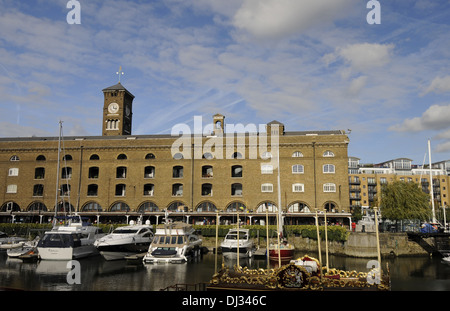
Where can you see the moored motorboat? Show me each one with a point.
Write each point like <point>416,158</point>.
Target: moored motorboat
<point>23,248</point>
<point>234,243</point>
<point>7,242</point>
<point>72,240</point>
<point>173,243</point>
<point>283,252</point>
<point>125,241</point>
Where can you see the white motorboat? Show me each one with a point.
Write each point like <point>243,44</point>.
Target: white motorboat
<point>125,241</point>
<point>73,240</point>
<point>234,243</point>
<point>23,248</point>
<point>173,243</point>
<point>7,242</point>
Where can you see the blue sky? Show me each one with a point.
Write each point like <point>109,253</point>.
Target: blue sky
<point>311,64</point>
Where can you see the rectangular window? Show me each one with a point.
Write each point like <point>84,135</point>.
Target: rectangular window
<point>13,172</point>
<point>328,169</point>
<point>329,187</point>
<point>266,188</point>
<point>11,189</point>
<point>297,169</point>
<point>298,188</point>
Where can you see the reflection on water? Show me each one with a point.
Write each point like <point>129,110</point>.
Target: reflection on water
<point>418,273</point>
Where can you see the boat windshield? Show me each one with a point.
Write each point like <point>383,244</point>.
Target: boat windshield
<point>163,240</point>
<point>125,231</point>
<point>233,236</point>
<point>60,240</point>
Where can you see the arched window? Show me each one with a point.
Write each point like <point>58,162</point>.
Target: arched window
<point>235,206</point>
<point>237,155</point>
<point>37,206</point>
<point>92,207</point>
<point>122,156</point>
<point>148,207</point>
<point>10,207</point>
<point>14,158</point>
<point>94,157</point>
<point>120,207</point>
<point>297,154</point>
<point>298,207</point>
<point>207,156</point>
<point>266,206</point>
<point>178,156</point>
<point>177,206</point>
<point>40,158</point>
<point>206,207</point>
<point>328,153</point>
<point>329,207</point>
<point>65,207</point>
<point>67,157</point>
<point>149,156</point>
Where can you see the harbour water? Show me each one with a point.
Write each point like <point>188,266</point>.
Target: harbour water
<point>96,274</point>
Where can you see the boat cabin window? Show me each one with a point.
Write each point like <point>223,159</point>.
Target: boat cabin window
<point>168,240</point>
<point>233,236</point>
<point>147,234</point>
<point>60,240</point>
<point>125,231</point>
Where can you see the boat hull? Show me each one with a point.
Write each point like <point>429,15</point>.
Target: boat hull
<point>66,253</point>
<point>232,252</point>
<point>285,254</point>
<point>118,252</point>
<point>180,255</point>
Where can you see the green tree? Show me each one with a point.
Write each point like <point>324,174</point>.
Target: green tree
<point>404,200</point>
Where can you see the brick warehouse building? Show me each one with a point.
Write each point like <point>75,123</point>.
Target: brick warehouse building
<point>119,176</point>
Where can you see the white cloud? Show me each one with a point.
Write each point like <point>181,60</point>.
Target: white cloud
<point>434,118</point>
<point>357,85</point>
<point>277,18</point>
<point>443,147</point>
<point>364,56</point>
<point>439,85</point>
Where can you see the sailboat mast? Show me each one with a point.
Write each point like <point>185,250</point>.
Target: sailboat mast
<point>58,168</point>
<point>431,183</point>
<point>280,228</point>
<point>279,218</point>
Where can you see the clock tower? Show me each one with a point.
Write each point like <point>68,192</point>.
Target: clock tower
<point>117,111</point>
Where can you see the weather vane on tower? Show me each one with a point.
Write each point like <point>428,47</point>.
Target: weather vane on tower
<point>120,72</point>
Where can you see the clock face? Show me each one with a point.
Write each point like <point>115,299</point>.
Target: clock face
<point>113,108</point>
